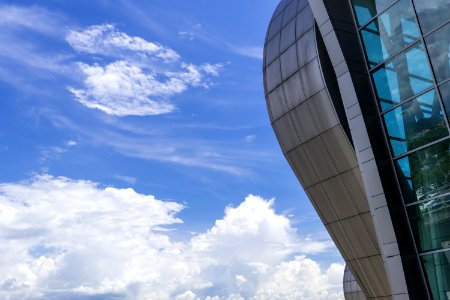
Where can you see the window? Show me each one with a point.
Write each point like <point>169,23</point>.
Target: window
<point>367,9</point>
<point>432,13</point>
<point>425,173</point>
<point>406,75</point>
<point>415,123</point>
<point>438,44</point>
<point>445,93</point>
<point>390,32</point>
<point>437,268</point>
<point>430,222</point>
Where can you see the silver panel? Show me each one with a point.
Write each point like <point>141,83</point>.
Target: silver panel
<point>293,90</point>
<point>277,103</point>
<point>289,62</point>
<point>305,21</point>
<point>322,111</point>
<point>323,203</point>
<point>272,50</point>
<point>275,27</point>
<point>302,166</point>
<point>290,12</point>
<point>312,78</point>
<point>306,46</point>
<point>287,36</point>
<point>286,133</point>
<point>303,122</point>
<point>273,75</point>
<point>339,147</point>
<point>317,153</point>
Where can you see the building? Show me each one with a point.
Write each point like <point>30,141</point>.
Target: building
<point>358,94</point>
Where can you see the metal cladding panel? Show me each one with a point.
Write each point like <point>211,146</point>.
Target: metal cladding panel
<point>305,110</point>
<point>289,62</point>
<point>352,291</point>
<point>293,89</point>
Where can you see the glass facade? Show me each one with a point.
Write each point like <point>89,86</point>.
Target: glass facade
<point>407,48</point>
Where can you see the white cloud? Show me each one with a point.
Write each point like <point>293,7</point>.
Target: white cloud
<point>127,179</point>
<point>253,52</point>
<point>188,35</point>
<point>249,138</point>
<point>106,40</point>
<point>240,280</point>
<point>302,279</point>
<point>142,77</point>
<point>122,89</point>
<point>71,143</point>
<point>62,238</point>
<point>30,18</point>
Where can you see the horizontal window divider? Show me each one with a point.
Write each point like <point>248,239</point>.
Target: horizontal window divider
<point>420,148</point>
<point>395,54</point>
<point>377,15</point>
<point>407,100</point>
<point>435,251</point>
<point>428,199</point>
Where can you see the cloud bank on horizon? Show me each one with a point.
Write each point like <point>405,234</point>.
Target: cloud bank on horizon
<point>62,238</point>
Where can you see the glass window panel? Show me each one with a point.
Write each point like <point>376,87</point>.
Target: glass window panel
<point>415,123</point>
<point>391,31</point>
<point>406,75</point>
<point>430,222</point>
<point>432,13</point>
<point>365,10</point>
<point>438,44</point>
<point>437,269</point>
<point>425,173</point>
<point>445,93</point>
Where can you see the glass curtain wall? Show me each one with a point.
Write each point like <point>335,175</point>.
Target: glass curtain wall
<point>407,48</point>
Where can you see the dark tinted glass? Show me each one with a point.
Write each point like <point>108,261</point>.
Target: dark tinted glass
<point>405,75</point>
<point>391,31</point>
<point>415,123</point>
<point>432,13</point>
<point>445,93</point>
<point>430,222</point>
<point>438,44</point>
<point>425,173</point>
<point>366,9</point>
<point>437,267</point>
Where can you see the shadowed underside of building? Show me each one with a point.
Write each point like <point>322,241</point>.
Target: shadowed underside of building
<point>358,94</point>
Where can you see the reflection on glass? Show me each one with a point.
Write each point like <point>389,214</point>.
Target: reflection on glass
<point>365,10</point>
<point>415,123</point>
<point>430,222</point>
<point>390,32</point>
<point>445,93</point>
<point>425,173</point>
<point>438,44</point>
<point>406,75</point>
<point>437,269</point>
<point>432,13</point>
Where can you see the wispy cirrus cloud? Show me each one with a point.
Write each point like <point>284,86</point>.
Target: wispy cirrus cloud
<point>253,52</point>
<point>62,239</point>
<point>31,18</point>
<point>142,78</point>
<point>107,40</point>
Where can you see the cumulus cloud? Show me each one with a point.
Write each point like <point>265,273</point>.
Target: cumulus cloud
<point>62,238</point>
<point>142,77</point>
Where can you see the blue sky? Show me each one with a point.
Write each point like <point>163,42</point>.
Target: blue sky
<point>152,111</point>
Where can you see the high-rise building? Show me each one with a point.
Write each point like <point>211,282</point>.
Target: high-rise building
<point>358,94</point>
